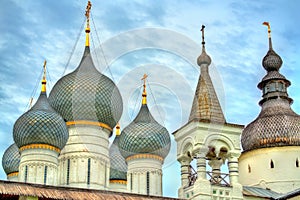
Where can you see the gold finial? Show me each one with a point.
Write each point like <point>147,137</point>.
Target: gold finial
<point>118,132</point>
<point>144,100</point>
<point>88,30</point>
<point>269,33</point>
<point>44,78</point>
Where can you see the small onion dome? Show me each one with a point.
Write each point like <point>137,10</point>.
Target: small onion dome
<point>86,94</point>
<point>118,166</point>
<point>144,136</point>
<point>41,125</point>
<point>277,125</point>
<point>204,58</point>
<point>11,159</point>
<point>272,61</point>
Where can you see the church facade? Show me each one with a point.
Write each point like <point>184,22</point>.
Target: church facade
<point>63,140</point>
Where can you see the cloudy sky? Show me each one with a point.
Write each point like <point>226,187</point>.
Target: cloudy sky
<point>160,38</point>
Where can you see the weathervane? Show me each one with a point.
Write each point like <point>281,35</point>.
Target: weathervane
<point>87,12</point>
<point>269,33</point>
<point>44,78</point>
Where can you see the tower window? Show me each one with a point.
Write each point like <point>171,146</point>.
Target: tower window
<point>26,173</point>
<point>68,172</point>
<point>272,164</point>
<point>249,169</point>
<point>297,162</point>
<point>131,181</point>
<point>45,174</point>
<point>89,171</point>
<point>148,183</point>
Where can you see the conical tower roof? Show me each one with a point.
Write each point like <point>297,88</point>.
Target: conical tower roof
<point>206,106</point>
<point>277,124</point>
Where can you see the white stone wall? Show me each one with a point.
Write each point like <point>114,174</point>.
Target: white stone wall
<point>118,187</point>
<point>13,178</point>
<point>84,143</point>
<point>137,176</point>
<point>36,160</point>
<point>255,168</point>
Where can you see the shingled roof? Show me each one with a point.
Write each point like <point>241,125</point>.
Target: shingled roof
<point>12,190</point>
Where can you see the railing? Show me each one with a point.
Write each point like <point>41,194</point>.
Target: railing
<point>218,178</point>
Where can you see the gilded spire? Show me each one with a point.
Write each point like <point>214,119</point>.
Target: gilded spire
<point>144,95</point>
<point>44,78</point>
<point>118,132</point>
<point>88,30</point>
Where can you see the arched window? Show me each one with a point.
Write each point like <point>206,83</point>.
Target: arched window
<point>45,174</point>
<point>249,169</point>
<point>89,171</point>
<point>272,164</point>
<point>297,162</point>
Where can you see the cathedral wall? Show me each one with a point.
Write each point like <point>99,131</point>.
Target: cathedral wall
<point>144,176</point>
<point>38,166</point>
<point>276,168</point>
<point>84,161</point>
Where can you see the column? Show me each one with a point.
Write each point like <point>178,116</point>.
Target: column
<point>184,162</point>
<point>233,167</point>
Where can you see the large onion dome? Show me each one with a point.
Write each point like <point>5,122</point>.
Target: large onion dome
<point>11,159</point>
<point>144,135</point>
<point>41,125</point>
<point>277,124</point>
<point>118,166</point>
<point>86,94</point>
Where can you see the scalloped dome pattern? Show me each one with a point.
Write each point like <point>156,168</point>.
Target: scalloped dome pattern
<point>144,136</point>
<point>118,166</point>
<point>41,125</point>
<point>86,94</point>
<point>11,159</point>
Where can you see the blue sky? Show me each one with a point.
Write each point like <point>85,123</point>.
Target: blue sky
<point>160,38</point>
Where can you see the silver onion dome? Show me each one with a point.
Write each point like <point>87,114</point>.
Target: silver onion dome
<point>41,125</point>
<point>86,94</point>
<point>144,135</point>
<point>11,159</point>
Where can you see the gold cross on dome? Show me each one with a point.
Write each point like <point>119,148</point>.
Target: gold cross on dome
<point>144,78</point>
<point>88,9</point>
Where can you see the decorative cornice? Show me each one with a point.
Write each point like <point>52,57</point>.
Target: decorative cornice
<point>85,122</point>
<point>143,156</point>
<point>40,146</point>
<point>123,182</point>
<point>13,174</point>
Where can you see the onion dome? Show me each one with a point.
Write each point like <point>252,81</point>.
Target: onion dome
<point>144,135</point>
<point>41,126</point>
<point>277,124</point>
<point>11,159</point>
<point>118,166</point>
<point>203,58</point>
<point>87,95</point>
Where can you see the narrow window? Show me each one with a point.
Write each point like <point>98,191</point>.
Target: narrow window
<point>297,162</point>
<point>89,171</point>
<point>131,181</point>
<point>68,172</point>
<point>105,175</point>
<point>249,169</point>
<point>26,173</point>
<point>45,174</point>
<point>272,164</point>
<point>148,183</point>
